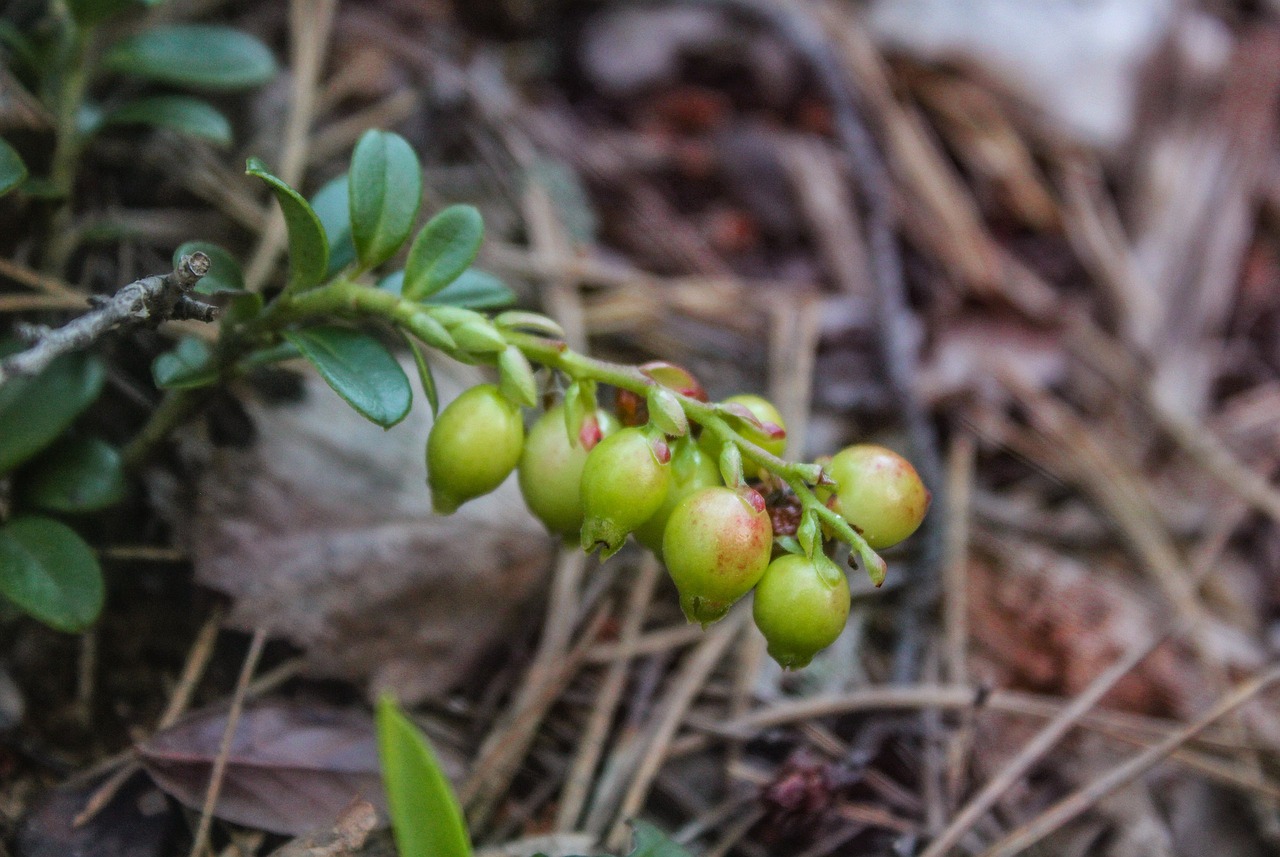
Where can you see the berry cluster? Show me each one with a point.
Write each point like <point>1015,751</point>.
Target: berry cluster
<point>685,493</point>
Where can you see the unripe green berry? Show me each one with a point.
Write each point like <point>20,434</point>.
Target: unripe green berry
<point>474,445</point>
<point>691,470</point>
<point>624,482</point>
<point>801,606</point>
<point>550,470</point>
<point>879,493</point>
<point>766,413</point>
<point>716,546</point>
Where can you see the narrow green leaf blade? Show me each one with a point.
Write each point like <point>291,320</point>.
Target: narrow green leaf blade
<point>424,811</point>
<point>13,171</point>
<point>34,411</point>
<point>332,205</point>
<point>79,475</point>
<point>48,571</point>
<point>188,365</point>
<point>652,842</point>
<point>359,369</point>
<point>475,290</point>
<point>224,271</point>
<point>180,113</point>
<point>385,191</point>
<point>425,374</point>
<point>308,246</point>
<point>443,250</point>
<point>195,55</point>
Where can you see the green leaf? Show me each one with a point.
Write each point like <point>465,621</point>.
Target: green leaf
<point>537,322</point>
<point>385,190</point>
<point>79,475</point>
<point>180,113</point>
<point>425,814</point>
<point>34,411</point>
<point>332,205</point>
<point>224,271</point>
<point>652,842</point>
<point>90,12</point>
<point>13,171</point>
<point>515,378</point>
<point>445,247</point>
<point>424,373</point>
<point>48,571</point>
<point>194,55</point>
<point>190,364</point>
<point>475,290</point>
<point>359,369</point>
<point>308,246</point>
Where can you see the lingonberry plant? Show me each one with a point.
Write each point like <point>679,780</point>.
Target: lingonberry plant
<point>688,476</point>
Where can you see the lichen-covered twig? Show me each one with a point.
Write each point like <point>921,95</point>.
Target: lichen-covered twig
<point>150,300</point>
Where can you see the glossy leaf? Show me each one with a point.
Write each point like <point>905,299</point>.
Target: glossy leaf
<point>195,55</point>
<point>385,190</point>
<point>34,411</point>
<point>48,571</point>
<point>224,271</point>
<point>333,206</point>
<point>80,475</point>
<point>424,811</point>
<point>443,250</point>
<point>475,290</point>
<point>359,369</point>
<point>13,171</point>
<point>188,365</point>
<point>181,113</point>
<point>308,246</point>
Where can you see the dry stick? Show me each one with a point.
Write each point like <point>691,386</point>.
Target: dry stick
<point>557,629</point>
<point>201,843</point>
<point>578,781</point>
<point>29,303</point>
<point>1084,798</point>
<point>150,300</point>
<point>685,685</point>
<point>310,22</point>
<point>648,644</point>
<point>1034,750</point>
<point>49,285</point>
<point>955,599</point>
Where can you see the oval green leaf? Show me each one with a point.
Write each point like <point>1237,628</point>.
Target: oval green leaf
<point>34,411</point>
<point>48,571</point>
<point>359,369</point>
<point>475,290</point>
<point>224,271</point>
<point>308,246</point>
<point>385,190</point>
<point>181,113</point>
<point>80,475</point>
<point>333,206</point>
<point>194,55</point>
<point>13,171</point>
<point>443,250</point>
<point>425,815</point>
<point>190,364</point>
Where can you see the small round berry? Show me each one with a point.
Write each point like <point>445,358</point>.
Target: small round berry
<point>474,445</point>
<point>878,492</point>
<point>550,470</point>
<point>716,546</point>
<point>691,470</point>
<point>624,482</point>
<point>801,606</point>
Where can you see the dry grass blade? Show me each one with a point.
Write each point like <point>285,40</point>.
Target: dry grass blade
<point>1084,798</point>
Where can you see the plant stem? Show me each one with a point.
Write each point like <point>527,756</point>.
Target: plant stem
<point>174,408</point>
<point>64,164</point>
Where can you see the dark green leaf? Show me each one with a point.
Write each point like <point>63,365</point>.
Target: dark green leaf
<point>48,571</point>
<point>475,290</point>
<point>424,373</point>
<point>308,246</point>
<point>385,191</point>
<point>333,206</point>
<point>273,354</point>
<point>652,842</point>
<point>359,369</point>
<point>424,811</point>
<point>241,308</point>
<point>195,55</point>
<point>13,171</point>
<point>224,271</point>
<point>180,113</point>
<point>444,248</point>
<point>188,365</point>
<point>34,411</point>
<point>90,12</point>
<point>80,475</point>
